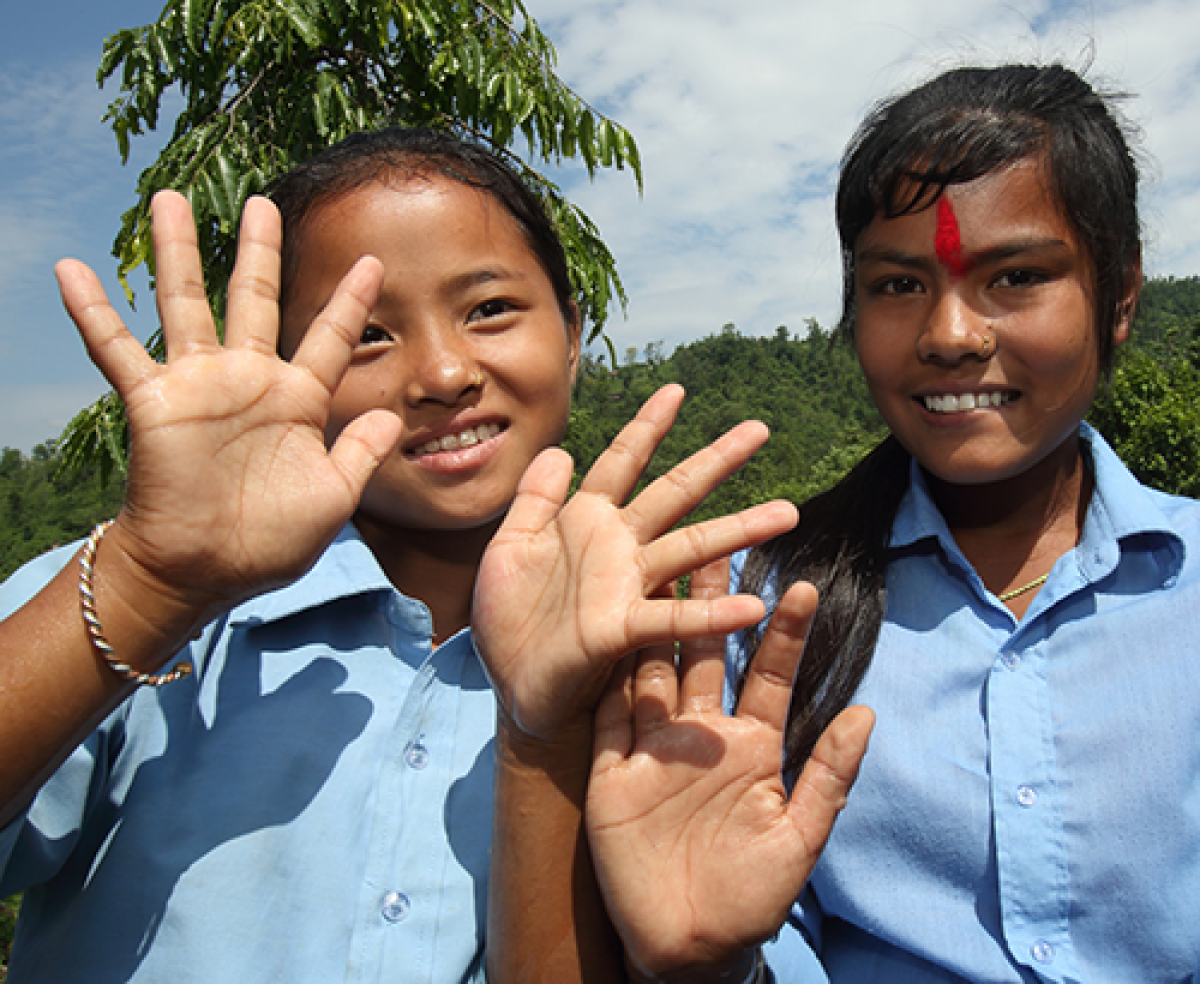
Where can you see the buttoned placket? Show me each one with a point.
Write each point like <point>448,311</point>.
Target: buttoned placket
<point>401,900</point>
<point>1031,855</point>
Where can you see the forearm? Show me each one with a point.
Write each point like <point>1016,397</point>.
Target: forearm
<point>55,686</point>
<point>546,919</point>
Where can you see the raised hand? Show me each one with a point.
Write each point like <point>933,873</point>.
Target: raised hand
<point>698,849</point>
<point>564,591</point>
<point>231,490</point>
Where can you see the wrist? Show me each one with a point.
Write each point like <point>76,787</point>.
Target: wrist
<point>144,618</point>
<point>568,755</point>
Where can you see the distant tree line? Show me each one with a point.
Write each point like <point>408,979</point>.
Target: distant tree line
<point>43,505</point>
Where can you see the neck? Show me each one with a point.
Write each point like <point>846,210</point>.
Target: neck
<point>437,567</point>
<point>1013,531</point>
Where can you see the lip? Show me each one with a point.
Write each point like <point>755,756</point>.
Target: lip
<point>456,459</point>
<point>970,400</point>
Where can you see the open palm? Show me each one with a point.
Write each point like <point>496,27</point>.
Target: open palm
<point>699,850</point>
<point>566,589</point>
<point>231,489</point>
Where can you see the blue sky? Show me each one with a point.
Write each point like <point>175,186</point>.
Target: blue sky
<point>741,113</point>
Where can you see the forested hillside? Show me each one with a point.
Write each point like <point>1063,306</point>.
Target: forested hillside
<point>805,386</point>
<point>808,390</point>
<point>42,507</point>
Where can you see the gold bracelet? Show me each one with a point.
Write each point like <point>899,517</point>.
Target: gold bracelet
<point>87,601</point>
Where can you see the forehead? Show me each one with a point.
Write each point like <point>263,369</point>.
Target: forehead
<point>1009,205</point>
<point>437,206</point>
<point>428,232</point>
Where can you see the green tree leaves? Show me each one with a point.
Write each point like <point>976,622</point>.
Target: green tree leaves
<point>267,83</point>
<point>808,390</point>
<point>1150,413</point>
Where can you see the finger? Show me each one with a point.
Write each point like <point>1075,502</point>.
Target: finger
<point>665,501</point>
<point>616,472</point>
<point>702,661</point>
<point>540,495</point>
<point>655,689</point>
<point>828,776</point>
<point>768,689</point>
<point>252,310</point>
<point>613,739</point>
<point>179,278</point>
<point>115,352</point>
<point>683,550</point>
<point>330,341</point>
<point>362,447</point>
<point>652,622</point>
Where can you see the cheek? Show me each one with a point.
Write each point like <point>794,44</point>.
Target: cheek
<point>552,395</point>
<point>878,355</point>
<point>357,393</point>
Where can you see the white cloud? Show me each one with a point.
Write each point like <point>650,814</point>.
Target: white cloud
<point>741,116</point>
<point>62,190</point>
<point>741,113</point>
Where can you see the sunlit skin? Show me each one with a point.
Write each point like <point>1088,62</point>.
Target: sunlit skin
<point>924,313</point>
<point>467,333</point>
<point>921,327</point>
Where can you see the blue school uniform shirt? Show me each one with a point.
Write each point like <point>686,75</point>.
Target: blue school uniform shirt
<point>313,804</point>
<point>1029,808</point>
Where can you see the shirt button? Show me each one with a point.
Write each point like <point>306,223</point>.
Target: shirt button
<point>1042,951</point>
<point>1011,660</point>
<point>395,906</point>
<point>1026,795</point>
<point>416,755</point>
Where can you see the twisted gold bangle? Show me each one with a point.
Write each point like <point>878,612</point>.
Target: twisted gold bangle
<point>87,601</point>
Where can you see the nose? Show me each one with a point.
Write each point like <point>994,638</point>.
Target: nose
<point>442,368</point>
<point>953,331</point>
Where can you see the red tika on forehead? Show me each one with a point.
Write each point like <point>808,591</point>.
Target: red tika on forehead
<point>947,242</point>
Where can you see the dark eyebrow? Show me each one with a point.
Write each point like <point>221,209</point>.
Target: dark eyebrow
<point>896,257</point>
<point>484,275</point>
<point>1002,251</point>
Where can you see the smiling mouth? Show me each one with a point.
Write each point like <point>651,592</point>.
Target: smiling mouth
<point>466,438</point>
<point>959,402</point>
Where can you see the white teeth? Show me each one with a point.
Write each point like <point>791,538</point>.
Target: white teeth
<point>965,401</point>
<point>464,439</point>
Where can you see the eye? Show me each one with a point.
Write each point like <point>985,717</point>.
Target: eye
<point>1019,278</point>
<point>374,335</point>
<point>897,286</point>
<point>491,308</point>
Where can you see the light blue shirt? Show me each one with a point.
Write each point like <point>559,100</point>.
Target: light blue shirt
<point>313,804</point>
<point>1029,809</point>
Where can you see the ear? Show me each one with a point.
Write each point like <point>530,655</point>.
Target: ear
<point>1128,304</point>
<point>574,341</point>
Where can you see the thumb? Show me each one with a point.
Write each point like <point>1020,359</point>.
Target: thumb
<point>828,775</point>
<point>540,495</point>
<point>363,445</point>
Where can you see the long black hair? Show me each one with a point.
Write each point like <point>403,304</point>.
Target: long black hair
<point>958,127</point>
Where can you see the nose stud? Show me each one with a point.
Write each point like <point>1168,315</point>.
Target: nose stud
<point>476,379</point>
<point>986,344</point>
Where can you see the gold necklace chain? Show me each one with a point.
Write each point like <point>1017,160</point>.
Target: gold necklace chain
<point>1028,587</point>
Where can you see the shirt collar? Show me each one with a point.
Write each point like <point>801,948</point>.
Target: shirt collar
<point>1121,508</point>
<point>346,568</point>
